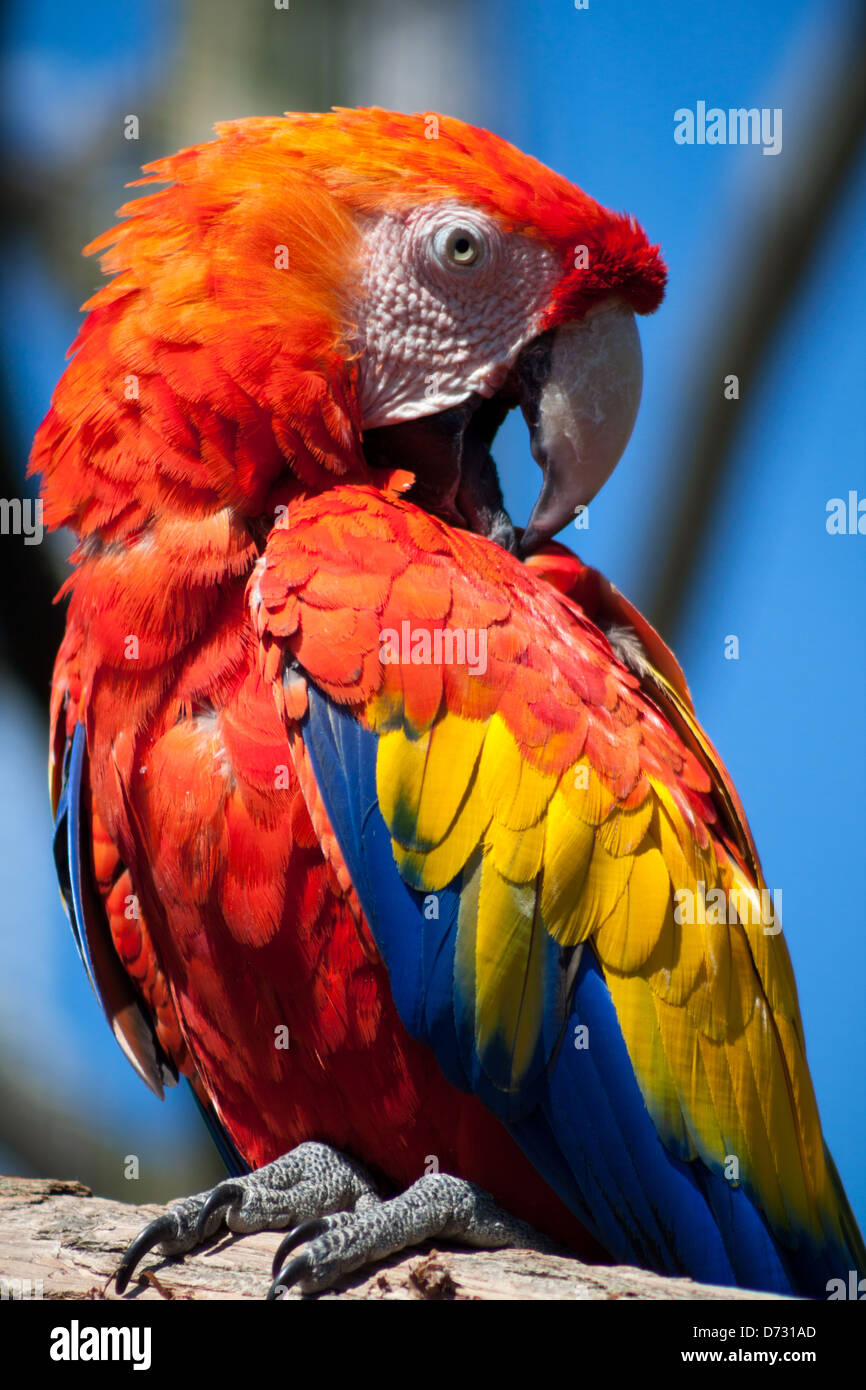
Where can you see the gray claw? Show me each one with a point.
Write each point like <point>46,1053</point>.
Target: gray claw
<point>223,1196</point>
<point>308,1230</point>
<point>292,1273</point>
<point>165,1227</point>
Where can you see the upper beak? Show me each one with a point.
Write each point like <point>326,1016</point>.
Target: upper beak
<point>579,388</point>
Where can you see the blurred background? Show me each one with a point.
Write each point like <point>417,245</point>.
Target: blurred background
<point>714,523</point>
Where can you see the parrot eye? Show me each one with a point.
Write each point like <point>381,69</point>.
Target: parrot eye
<point>461,247</point>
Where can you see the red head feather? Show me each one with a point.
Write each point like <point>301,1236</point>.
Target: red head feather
<point>202,369</point>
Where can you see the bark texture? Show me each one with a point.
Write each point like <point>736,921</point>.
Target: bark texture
<point>59,1241</point>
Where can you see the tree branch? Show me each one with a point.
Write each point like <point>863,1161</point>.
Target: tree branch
<point>67,1243</point>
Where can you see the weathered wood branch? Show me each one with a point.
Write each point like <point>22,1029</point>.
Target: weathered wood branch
<point>58,1241</point>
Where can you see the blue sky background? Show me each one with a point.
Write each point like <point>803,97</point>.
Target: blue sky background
<point>593,94</point>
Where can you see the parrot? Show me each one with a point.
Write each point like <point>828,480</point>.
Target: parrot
<point>384,821</point>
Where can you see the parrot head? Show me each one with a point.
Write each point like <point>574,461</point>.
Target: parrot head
<point>357,291</point>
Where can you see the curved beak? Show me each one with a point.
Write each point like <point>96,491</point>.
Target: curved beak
<point>579,388</point>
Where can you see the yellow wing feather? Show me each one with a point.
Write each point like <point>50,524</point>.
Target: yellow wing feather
<point>707,1006</point>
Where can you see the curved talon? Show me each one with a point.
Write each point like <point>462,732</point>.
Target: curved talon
<point>308,1230</point>
<point>291,1274</point>
<point>164,1227</point>
<point>223,1196</point>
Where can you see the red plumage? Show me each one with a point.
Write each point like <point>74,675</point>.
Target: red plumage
<point>202,400</point>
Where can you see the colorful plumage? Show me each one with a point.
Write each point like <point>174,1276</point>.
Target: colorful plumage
<point>338,751</point>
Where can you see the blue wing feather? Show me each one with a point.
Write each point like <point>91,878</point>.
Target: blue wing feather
<point>223,1144</point>
<point>68,841</point>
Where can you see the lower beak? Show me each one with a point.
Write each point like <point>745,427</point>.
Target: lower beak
<point>579,388</point>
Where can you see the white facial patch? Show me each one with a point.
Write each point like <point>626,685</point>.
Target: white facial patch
<point>448,300</point>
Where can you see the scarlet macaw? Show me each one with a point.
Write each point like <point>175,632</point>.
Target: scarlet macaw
<point>375,813</point>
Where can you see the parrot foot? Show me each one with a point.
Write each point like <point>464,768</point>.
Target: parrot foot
<point>309,1181</point>
<point>437,1205</point>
